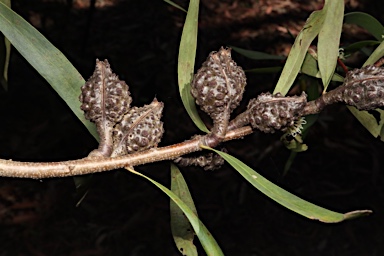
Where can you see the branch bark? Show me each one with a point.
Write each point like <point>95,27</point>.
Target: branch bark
<point>38,170</point>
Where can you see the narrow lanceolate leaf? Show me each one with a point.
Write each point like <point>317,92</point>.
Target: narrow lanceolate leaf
<point>82,184</point>
<point>182,231</point>
<point>354,47</point>
<point>46,59</point>
<point>299,50</point>
<point>310,68</point>
<point>364,20</point>
<point>329,39</point>
<point>175,5</point>
<point>376,55</point>
<point>287,199</point>
<point>369,121</point>
<point>255,55</point>
<point>186,63</point>
<point>206,239</point>
<point>269,70</point>
<point>5,52</point>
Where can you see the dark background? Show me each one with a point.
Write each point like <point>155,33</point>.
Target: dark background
<point>125,215</point>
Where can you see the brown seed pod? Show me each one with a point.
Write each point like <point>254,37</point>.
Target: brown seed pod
<point>364,88</point>
<point>218,85</point>
<point>275,112</point>
<point>218,88</point>
<point>209,162</point>
<point>104,97</point>
<point>139,130</point>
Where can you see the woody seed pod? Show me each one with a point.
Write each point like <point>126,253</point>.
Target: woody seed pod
<point>218,85</point>
<point>364,88</point>
<point>218,88</point>
<point>209,162</point>
<point>139,130</point>
<point>275,112</point>
<point>105,99</point>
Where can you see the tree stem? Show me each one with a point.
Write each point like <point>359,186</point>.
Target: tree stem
<point>35,170</point>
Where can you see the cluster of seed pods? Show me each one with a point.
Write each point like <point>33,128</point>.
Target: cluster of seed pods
<point>122,130</point>
<point>218,88</point>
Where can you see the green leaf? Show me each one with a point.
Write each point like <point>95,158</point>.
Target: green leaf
<point>337,78</point>
<point>181,228</point>
<point>354,47</point>
<point>206,239</point>
<point>376,55</point>
<point>255,55</point>
<point>82,184</point>
<point>5,52</point>
<point>52,65</point>
<point>269,70</point>
<point>186,63</point>
<point>175,5</point>
<point>310,68</point>
<point>285,198</point>
<point>298,52</point>
<point>366,21</point>
<point>369,121</point>
<point>329,39</point>
<point>46,59</point>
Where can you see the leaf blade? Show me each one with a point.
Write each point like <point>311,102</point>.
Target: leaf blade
<point>5,53</point>
<point>366,21</point>
<point>369,121</point>
<point>208,242</point>
<point>180,226</point>
<point>359,45</point>
<point>256,55</point>
<point>329,39</point>
<point>268,70</point>
<point>175,5</point>
<point>46,59</point>
<point>310,68</point>
<point>299,50</point>
<point>376,55</point>
<point>285,198</point>
<point>186,63</point>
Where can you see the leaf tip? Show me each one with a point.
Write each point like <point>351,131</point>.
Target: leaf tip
<point>356,214</point>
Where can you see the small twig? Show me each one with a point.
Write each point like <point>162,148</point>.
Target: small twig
<point>15,169</point>
<point>342,65</point>
<point>219,130</point>
<point>239,121</point>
